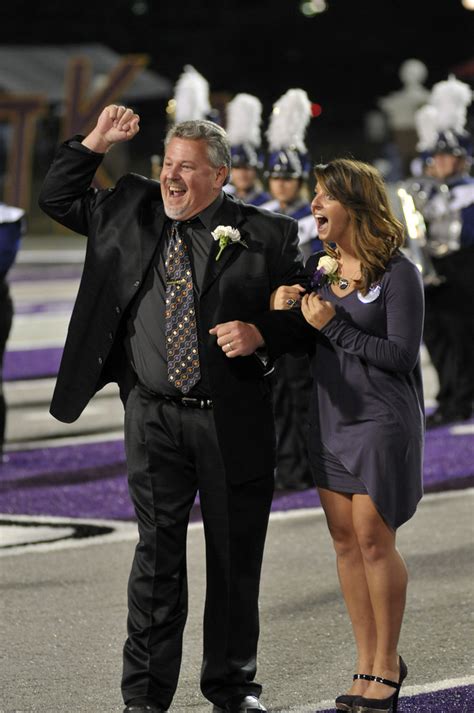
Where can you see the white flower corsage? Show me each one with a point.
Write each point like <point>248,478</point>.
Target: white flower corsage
<point>326,271</point>
<point>225,234</point>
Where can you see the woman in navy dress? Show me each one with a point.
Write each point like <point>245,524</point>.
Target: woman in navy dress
<point>365,307</point>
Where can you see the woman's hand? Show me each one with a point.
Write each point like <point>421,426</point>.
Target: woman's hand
<point>317,312</point>
<point>286,296</point>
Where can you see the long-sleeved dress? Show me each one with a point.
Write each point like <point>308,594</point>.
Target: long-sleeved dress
<point>366,415</point>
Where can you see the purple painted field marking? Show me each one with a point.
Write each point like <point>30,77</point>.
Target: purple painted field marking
<point>459,699</point>
<point>25,364</point>
<point>89,480</point>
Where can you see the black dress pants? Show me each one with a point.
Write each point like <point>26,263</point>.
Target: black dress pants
<point>172,452</point>
<point>449,332</point>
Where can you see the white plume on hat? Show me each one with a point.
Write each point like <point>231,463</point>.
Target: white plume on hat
<point>244,115</point>
<point>445,112</point>
<point>191,95</point>
<point>289,120</point>
<point>451,99</point>
<point>426,124</point>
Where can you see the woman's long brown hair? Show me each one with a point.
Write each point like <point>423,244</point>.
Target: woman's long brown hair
<point>377,233</point>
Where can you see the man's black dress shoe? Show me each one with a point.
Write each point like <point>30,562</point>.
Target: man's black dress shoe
<point>142,708</point>
<point>241,704</point>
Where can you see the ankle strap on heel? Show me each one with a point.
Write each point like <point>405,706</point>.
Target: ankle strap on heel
<point>386,682</point>
<point>363,677</point>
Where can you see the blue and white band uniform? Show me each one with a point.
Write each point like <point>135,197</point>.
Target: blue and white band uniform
<point>449,212</point>
<point>300,210</point>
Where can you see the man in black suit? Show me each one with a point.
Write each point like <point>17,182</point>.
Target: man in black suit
<point>198,412</point>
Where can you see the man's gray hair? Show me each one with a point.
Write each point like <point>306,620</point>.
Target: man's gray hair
<point>218,146</point>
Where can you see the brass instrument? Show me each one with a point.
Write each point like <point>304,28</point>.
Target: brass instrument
<point>444,220</point>
<point>417,245</point>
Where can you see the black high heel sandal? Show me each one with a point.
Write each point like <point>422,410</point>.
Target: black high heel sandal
<point>382,705</point>
<point>346,702</point>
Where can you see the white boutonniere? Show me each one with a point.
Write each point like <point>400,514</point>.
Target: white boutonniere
<point>225,234</point>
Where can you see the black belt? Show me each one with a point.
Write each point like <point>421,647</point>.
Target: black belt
<point>186,401</point>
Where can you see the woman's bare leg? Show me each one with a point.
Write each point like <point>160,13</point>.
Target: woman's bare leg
<point>386,577</point>
<point>352,578</point>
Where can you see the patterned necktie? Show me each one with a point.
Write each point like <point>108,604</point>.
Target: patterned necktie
<point>180,318</point>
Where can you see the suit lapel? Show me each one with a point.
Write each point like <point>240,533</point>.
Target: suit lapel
<point>152,222</point>
<point>228,214</point>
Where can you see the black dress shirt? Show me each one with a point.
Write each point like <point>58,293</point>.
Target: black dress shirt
<point>145,341</point>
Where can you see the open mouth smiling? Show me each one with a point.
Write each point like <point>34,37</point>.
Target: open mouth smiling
<point>321,221</point>
<point>176,191</point>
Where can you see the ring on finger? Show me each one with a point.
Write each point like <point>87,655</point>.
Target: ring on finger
<point>229,345</point>
<point>290,302</point>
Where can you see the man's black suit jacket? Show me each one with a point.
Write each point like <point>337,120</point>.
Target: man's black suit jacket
<point>123,226</point>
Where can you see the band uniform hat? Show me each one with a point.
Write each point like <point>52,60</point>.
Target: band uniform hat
<point>287,153</point>
<point>441,124</point>
<point>244,117</point>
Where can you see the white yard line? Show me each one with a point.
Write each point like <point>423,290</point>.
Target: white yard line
<point>127,531</point>
<point>406,692</point>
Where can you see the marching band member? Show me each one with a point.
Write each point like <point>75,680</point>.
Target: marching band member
<point>288,165</point>
<point>449,215</point>
<point>244,114</point>
<point>287,170</point>
<point>11,228</point>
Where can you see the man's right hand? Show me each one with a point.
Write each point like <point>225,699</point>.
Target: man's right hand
<point>115,125</point>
